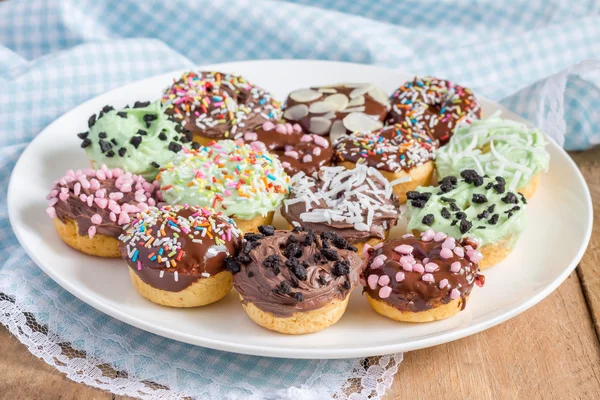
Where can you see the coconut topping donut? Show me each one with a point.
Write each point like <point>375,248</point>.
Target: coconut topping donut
<point>497,146</point>
<point>358,205</point>
<point>244,183</point>
<point>476,207</point>
<point>139,139</point>
<point>433,106</point>
<point>420,279</point>
<point>338,109</point>
<point>405,159</point>
<point>90,206</point>
<point>217,105</point>
<point>176,254</point>
<point>295,281</point>
<point>296,150</point>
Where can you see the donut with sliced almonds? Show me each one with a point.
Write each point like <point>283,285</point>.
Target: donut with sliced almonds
<point>336,110</point>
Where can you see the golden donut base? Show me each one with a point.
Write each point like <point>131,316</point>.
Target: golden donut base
<point>251,225</point>
<point>529,189</point>
<point>99,245</point>
<point>300,322</point>
<point>441,312</point>
<point>200,293</point>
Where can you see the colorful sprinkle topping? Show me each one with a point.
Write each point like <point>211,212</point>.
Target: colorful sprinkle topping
<point>218,101</point>
<point>157,236</point>
<point>229,176</point>
<point>433,106</point>
<point>391,148</point>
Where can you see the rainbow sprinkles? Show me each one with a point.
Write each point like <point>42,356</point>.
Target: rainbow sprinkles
<point>231,177</point>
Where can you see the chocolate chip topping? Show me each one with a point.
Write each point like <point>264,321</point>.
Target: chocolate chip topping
<point>283,272</point>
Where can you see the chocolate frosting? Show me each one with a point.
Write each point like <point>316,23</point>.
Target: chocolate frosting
<point>296,150</point>
<point>390,149</point>
<point>377,109</point>
<point>433,106</point>
<point>384,217</point>
<point>190,258</point>
<point>101,200</point>
<point>417,292</point>
<point>217,105</point>
<point>284,272</point>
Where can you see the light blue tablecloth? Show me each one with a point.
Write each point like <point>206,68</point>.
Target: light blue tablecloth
<point>56,54</point>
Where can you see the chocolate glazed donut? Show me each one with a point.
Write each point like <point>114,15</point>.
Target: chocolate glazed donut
<point>190,258</point>
<point>433,106</point>
<point>217,105</point>
<point>419,274</point>
<point>338,109</point>
<point>284,272</point>
<point>296,150</point>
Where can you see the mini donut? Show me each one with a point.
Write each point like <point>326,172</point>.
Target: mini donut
<point>217,105</point>
<point>497,146</point>
<point>139,139</point>
<point>405,159</point>
<point>244,183</point>
<point>433,106</point>
<point>478,208</point>
<point>358,205</point>
<point>420,279</point>
<point>338,109</point>
<point>89,207</point>
<point>295,281</point>
<point>296,151</point>
<point>177,255</point>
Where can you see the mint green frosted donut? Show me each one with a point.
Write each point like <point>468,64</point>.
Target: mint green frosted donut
<point>468,207</point>
<point>512,150</point>
<point>139,140</point>
<point>227,176</point>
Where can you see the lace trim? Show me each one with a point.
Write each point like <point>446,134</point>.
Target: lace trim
<point>368,379</point>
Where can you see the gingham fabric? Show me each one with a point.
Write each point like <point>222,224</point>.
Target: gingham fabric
<point>56,54</point>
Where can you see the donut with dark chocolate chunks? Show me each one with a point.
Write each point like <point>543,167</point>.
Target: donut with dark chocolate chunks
<point>295,271</point>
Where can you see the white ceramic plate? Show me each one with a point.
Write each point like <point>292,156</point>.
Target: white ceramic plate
<point>560,222</point>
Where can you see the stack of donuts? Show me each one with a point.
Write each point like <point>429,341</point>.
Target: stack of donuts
<point>216,185</point>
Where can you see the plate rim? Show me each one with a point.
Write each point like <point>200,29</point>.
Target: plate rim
<point>260,350</point>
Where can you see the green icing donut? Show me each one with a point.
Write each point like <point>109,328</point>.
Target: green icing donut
<point>496,147</point>
<point>227,176</point>
<point>139,140</point>
<point>472,207</point>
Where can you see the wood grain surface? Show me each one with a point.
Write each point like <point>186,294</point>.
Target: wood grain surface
<point>589,268</point>
<point>551,351</point>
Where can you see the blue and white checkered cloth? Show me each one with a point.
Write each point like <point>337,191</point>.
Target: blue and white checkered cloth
<point>55,54</point>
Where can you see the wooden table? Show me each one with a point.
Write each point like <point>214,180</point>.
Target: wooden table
<point>551,351</point>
